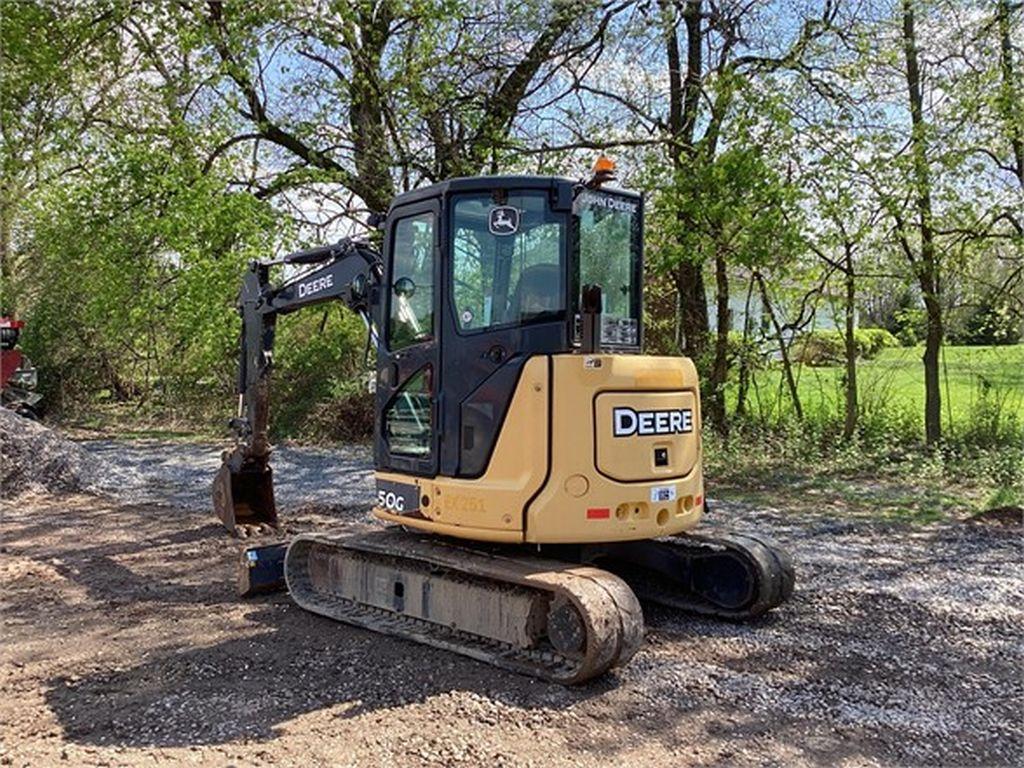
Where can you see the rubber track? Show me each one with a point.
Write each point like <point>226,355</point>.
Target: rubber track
<point>768,566</point>
<point>611,614</point>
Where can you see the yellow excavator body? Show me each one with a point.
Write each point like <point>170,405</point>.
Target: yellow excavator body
<point>563,470</point>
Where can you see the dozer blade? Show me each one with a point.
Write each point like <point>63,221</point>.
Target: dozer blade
<point>261,569</point>
<point>562,622</point>
<point>243,498</point>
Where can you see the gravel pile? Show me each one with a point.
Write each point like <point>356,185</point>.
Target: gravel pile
<point>36,458</point>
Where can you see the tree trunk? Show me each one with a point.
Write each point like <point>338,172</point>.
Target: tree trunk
<point>787,366</point>
<point>932,393</point>
<point>850,422</point>
<point>744,384</point>
<point>1010,99</point>
<point>692,326</point>
<point>694,71</point>
<point>692,322</point>
<point>927,266</point>
<point>6,252</point>
<point>720,369</point>
<point>366,113</point>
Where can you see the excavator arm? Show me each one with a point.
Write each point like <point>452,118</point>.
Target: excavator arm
<point>350,271</point>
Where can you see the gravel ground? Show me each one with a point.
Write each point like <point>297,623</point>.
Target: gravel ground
<point>181,473</point>
<point>124,645</point>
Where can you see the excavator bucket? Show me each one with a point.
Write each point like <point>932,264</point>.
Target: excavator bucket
<point>243,495</point>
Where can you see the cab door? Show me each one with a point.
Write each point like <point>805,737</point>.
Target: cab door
<point>408,370</point>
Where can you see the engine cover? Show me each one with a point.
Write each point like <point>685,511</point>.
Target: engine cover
<point>645,435</point>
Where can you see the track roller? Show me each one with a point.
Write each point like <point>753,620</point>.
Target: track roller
<point>563,622</point>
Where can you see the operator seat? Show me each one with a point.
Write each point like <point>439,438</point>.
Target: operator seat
<point>539,290</point>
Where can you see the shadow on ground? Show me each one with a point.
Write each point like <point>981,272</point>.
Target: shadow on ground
<point>244,688</point>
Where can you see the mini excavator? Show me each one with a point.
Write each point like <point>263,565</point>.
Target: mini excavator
<point>539,476</point>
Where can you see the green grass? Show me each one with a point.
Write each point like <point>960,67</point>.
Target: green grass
<point>885,471</point>
<point>800,469</point>
<point>970,377</point>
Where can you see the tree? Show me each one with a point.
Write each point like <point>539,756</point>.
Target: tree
<point>846,218</point>
<point>209,113</point>
<point>384,113</point>
<point>735,209</point>
<point>924,259</point>
<point>60,69</point>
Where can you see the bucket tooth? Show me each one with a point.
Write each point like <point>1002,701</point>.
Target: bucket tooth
<point>243,498</point>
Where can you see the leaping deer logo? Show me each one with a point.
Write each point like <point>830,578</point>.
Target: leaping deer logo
<point>503,220</point>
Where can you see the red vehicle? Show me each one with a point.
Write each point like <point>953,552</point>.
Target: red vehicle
<point>18,377</point>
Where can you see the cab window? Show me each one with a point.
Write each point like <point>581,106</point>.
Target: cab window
<point>609,246</point>
<point>407,420</point>
<point>411,318</point>
<point>508,261</point>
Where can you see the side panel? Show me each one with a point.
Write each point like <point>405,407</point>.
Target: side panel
<point>581,504</point>
<point>490,507</point>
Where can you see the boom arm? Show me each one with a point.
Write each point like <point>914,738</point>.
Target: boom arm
<point>350,273</point>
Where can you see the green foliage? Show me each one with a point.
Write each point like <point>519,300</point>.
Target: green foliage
<point>736,205</point>
<point>995,418</point>
<point>910,325</point>
<point>993,322</point>
<point>1005,496</point>
<point>746,353</point>
<point>897,310</point>
<point>151,149</point>
<point>799,467</point>
<point>828,347</point>
<point>819,348</point>
<point>318,361</point>
<point>133,273</point>
<point>871,341</point>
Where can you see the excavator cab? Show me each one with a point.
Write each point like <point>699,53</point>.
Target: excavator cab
<point>481,276</point>
<point>478,276</point>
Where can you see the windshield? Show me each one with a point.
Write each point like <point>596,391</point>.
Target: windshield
<point>609,243</point>
<point>508,260</point>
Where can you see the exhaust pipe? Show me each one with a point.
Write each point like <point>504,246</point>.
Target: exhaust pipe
<point>243,493</point>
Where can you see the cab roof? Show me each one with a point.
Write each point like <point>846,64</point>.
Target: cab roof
<point>488,183</point>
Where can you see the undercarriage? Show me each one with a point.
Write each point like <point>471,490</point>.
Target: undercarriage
<point>566,616</point>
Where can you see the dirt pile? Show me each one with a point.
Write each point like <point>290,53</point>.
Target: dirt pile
<point>1010,516</point>
<point>36,458</point>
